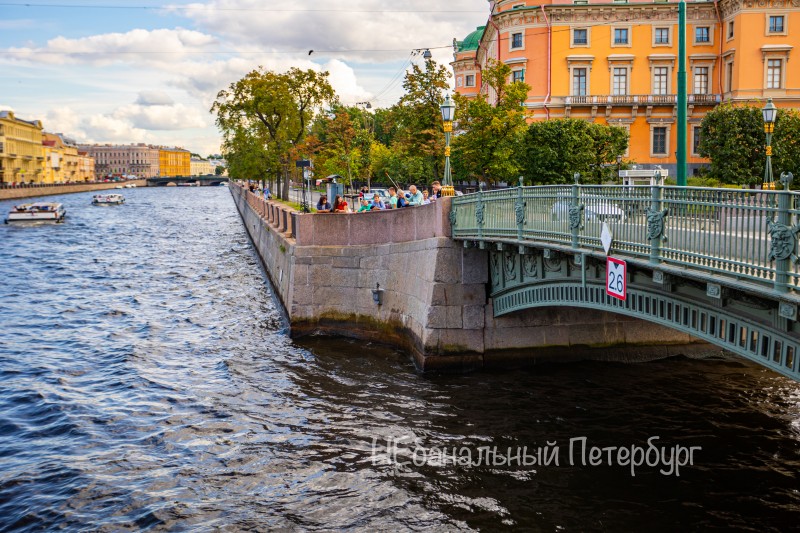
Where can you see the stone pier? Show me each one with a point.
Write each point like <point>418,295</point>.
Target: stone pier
<point>326,267</point>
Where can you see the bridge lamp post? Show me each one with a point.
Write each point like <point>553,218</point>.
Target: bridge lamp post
<point>448,111</point>
<point>769,112</point>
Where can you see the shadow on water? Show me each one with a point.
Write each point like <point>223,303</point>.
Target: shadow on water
<point>148,383</point>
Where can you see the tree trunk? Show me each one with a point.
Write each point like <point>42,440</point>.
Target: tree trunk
<point>278,183</point>
<point>285,194</point>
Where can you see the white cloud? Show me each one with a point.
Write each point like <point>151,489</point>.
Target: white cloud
<point>157,84</point>
<point>135,46</point>
<point>162,117</point>
<point>154,98</point>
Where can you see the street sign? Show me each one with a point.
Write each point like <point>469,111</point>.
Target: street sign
<point>606,237</point>
<point>616,278</point>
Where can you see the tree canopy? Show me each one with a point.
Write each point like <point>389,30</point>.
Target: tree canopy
<point>553,150</point>
<point>489,134</point>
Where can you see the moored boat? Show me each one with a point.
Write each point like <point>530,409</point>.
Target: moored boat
<point>37,212</point>
<point>108,199</point>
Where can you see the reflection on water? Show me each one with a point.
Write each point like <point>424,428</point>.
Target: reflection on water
<point>148,383</point>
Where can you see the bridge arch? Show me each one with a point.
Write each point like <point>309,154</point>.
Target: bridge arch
<point>730,331</point>
<point>748,325</point>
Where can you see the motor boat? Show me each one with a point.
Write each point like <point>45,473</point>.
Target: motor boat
<point>37,212</point>
<point>108,199</point>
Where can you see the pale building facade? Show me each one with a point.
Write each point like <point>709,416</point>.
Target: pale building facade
<point>140,160</point>
<point>201,167</point>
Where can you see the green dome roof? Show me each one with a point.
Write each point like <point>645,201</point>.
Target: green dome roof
<point>472,40</point>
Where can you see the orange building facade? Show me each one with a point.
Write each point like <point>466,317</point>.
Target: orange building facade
<point>617,63</point>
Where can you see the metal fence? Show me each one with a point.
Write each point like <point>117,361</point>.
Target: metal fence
<point>746,234</point>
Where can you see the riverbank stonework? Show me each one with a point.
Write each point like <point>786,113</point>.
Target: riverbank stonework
<point>32,192</point>
<point>324,268</point>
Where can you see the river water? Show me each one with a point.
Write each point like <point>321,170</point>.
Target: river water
<point>148,383</point>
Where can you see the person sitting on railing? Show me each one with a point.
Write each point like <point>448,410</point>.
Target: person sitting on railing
<point>377,203</point>
<point>339,205</point>
<point>323,206</point>
<point>436,190</point>
<point>416,196</point>
<point>364,205</point>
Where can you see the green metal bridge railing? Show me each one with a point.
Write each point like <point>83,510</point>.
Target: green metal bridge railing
<point>748,235</point>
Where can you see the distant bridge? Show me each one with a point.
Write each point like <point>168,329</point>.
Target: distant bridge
<point>187,180</point>
<point>718,264</point>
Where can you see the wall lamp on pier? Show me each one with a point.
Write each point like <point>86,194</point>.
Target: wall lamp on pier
<point>377,294</point>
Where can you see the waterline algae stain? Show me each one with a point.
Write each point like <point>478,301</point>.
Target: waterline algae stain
<point>148,384</point>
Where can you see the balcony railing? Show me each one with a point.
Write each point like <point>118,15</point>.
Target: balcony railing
<point>640,99</point>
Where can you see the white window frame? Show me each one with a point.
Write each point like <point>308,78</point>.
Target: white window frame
<point>629,31</point>
<point>768,77</point>
<point>586,70</point>
<point>731,30</point>
<point>627,70</point>
<point>669,35</point>
<point>695,139</point>
<point>572,42</point>
<point>667,132</point>
<point>667,80</point>
<point>695,78</point>
<point>710,29</point>
<point>466,80</point>
<point>769,17</point>
<point>514,73</point>
<point>511,35</point>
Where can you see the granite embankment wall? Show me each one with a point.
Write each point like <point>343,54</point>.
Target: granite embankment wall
<point>325,266</point>
<point>53,190</point>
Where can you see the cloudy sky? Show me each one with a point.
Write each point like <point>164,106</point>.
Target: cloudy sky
<point>145,71</point>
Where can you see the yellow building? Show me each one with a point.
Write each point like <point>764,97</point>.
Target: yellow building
<point>86,166</point>
<point>202,167</point>
<point>616,63</point>
<point>62,163</point>
<point>21,155</point>
<point>174,162</point>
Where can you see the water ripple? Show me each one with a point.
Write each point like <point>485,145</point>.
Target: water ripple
<point>148,384</point>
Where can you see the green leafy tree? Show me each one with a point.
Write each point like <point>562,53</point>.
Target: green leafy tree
<point>417,120</point>
<point>733,137</point>
<point>786,144</point>
<point>553,150</point>
<point>274,108</point>
<point>489,135</point>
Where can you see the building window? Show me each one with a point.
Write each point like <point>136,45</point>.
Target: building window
<point>696,140</point>
<point>620,81</point>
<point>730,30</point>
<point>518,75</point>
<point>774,73</point>
<point>459,81</point>
<point>775,24</point>
<point>516,40</point>
<point>701,80</point>
<point>579,81</point>
<point>580,36</point>
<point>660,140</point>
<point>620,35</point>
<point>729,76</point>
<point>661,36</point>
<point>702,35</point>
<point>660,80</point>
<point>470,80</point>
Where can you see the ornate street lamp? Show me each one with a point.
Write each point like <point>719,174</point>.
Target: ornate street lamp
<point>769,112</point>
<point>448,110</point>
